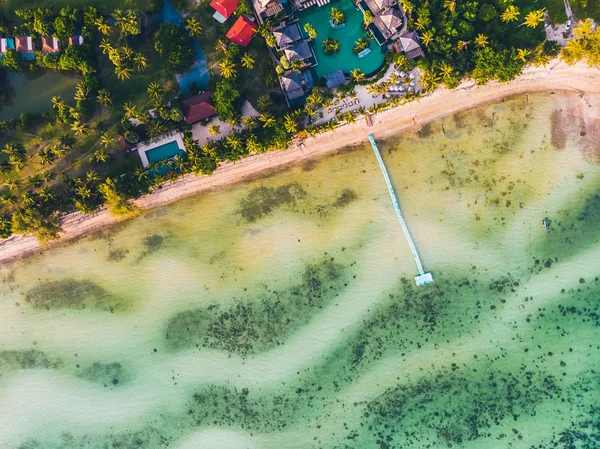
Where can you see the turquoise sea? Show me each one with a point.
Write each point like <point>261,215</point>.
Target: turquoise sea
<point>282,312</point>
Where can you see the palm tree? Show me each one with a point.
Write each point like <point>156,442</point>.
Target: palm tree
<point>155,91</point>
<point>420,24</point>
<point>310,31</point>
<point>450,5</point>
<point>141,174</point>
<point>522,54</point>
<point>106,46</point>
<point>267,119</point>
<point>92,176</point>
<point>429,79</point>
<point>100,155</point>
<point>11,184</point>
<point>104,98</point>
<point>107,139</point>
<point>248,121</point>
<point>233,141</point>
<point>79,128</point>
<point>357,75</point>
<point>481,40</point>
<point>140,62</point>
<point>83,192</point>
<point>247,61</point>
<point>45,157</point>
<point>510,14</point>
<point>81,92</point>
<point>290,124</point>
<point>7,199</point>
<point>227,69</point>
<point>156,128</point>
<point>214,130</point>
<point>123,73</point>
<point>103,26</point>
<point>427,37</point>
<point>193,27</point>
<point>130,110</point>
<point>75,114</point>
<point>221,46</point>
<point>336,16</point>
<point>253,144</point>
<point>263,103</point>
<point>310,111</point>
<point>66,140</point>
<point>446,69</point>
<point>58,102</point>
<point>315,98</point>
<point>534,18</point>
<point>46,193</point>
<point>583,29</point>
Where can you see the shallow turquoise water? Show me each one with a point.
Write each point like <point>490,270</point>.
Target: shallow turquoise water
<point>282,312</point>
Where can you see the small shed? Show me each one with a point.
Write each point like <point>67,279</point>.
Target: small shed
<point>50,45</point>
<point>242,31</point>
<point>223,9</point>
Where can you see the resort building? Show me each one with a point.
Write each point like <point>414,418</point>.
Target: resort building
<point>265,9</point>
<point>296,85</point>
<point>305,4</point>
<point>163,148</point>
<point>198,107</point>
<point>24,45</point>
<point>388,19</point>
<point>408,43</point>
<point>76,40</point>
<point>223,9</point>
<point>242,31</point>
<point>50,45</point>
<point>299,52</point>
<point>286,34</point>
<point>6,43</point>
<point>334,79</point>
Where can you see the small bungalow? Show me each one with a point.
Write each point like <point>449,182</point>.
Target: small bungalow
<point>242,31</point>
<point>298,52</point>
<point>198,107</point>
<point>286,35</point>
<point>50,45</point>
<point>295,85</point>
<point>223,9</point>
<point>6,43</point>
<point>408,43</point>
<point>388,24</point>
<point>24,46</point>
<point>333,79</point>
<point>267,8</point>
<point>76,40</point>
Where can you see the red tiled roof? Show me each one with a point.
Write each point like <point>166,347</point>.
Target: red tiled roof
<point>197,108</point>
<point>242,31</point>
<point>224,7</point>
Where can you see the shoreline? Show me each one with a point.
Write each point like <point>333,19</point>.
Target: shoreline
<point>442,102</point>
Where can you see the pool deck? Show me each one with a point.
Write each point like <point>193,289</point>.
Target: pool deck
<point>142,148</point>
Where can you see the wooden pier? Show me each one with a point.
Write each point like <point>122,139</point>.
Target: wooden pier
<point>423,278</point>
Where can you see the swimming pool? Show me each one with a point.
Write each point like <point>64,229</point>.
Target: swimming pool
<point>166,151</point>
<point>345,59</point>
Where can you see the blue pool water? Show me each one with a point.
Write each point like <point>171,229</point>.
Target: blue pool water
<point>198,73</point>
<point>166,151</point>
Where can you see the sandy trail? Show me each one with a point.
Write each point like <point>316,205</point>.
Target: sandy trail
<point>556,76</point>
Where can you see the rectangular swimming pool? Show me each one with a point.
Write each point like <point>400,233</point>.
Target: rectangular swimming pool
<point>166,151</point>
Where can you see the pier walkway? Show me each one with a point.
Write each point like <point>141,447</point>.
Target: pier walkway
<point>423,278</point>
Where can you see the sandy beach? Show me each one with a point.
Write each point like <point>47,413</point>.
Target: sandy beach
<point>557,76</point>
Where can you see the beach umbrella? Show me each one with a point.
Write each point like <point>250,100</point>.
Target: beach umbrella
<point>402,88</point>
<point>412,83</point>
<point>402,74</point>
<point>411,76</point>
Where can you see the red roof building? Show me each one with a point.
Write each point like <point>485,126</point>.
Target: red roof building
<point>197,107</point>
<point>242,31</point>
<point>224,8</point>
<point>50,44</point>
<point>24,44</point>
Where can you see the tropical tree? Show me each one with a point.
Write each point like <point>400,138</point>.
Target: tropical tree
<point>155,91</point>
<point>45,157</point>
<point>336,16</point>
<point>140,61</point>
<point>11,184</point>
<point>481,40</point>
<point>522,54</point>
<point>331,46</point>
<point>267,119</point>
<point>103,26</point>
<point>290,123</point>
<point>534,18</point>
<point>115,200</point>
<point>79,128</point>
<point>58,102</point>
<point>446,70</point>
<point>104,98</point>
<point>357,75</point>
<point>227,68</point>
<point>367,18</point>
<point>123,73</point>
<point>214,130</point>
<point>221,46</point>
<point>107,139</point>
<point>130,110</point>
<point>427,37</point>
<point>510,14</point>
<point>310,31</point>
<point>247,61</point>
<point>193,27</point>
<point>450,5</point>
<point>100,156</point>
